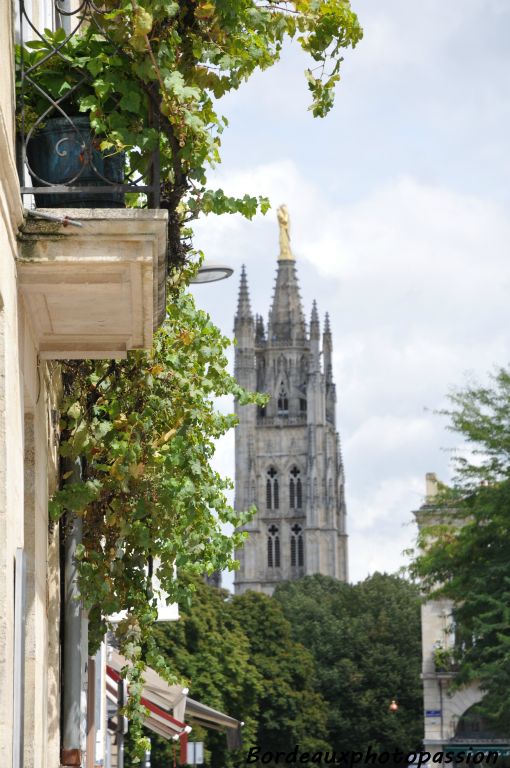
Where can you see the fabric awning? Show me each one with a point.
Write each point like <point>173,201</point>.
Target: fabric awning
<point>172,697</point>
<point>210,718</point>
<point>161,699</point>
<point>158,720</point>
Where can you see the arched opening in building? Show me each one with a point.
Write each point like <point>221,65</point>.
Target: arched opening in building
<point>273,547</point>
<point>475,724</point>
<point>295,489</point>
<point>283,400</point>
<point>272,493</point>
<point>297,555</point>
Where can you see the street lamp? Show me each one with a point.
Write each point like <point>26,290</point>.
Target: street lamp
<point>211,273</point>
<point>393,706</point>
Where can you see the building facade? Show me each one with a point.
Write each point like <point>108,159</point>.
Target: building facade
<point>88,290</point>
<point>453,721</point>
<point>29,551</point>
<point>288,459</point>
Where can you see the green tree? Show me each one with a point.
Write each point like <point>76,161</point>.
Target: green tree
<point>289,709</point>
<point>366,645</point>
<point>464,546</point>
<point>238,656</point>
<point>210,649</point>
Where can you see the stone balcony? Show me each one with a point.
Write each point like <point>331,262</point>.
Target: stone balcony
<point>93,284</point>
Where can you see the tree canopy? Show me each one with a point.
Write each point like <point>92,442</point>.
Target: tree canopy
<point>366,643</point>
<point>238,656</point>
<point>317,665</point>
<point>210,649</point>
<point>290,708</point>
<point>464,545</point>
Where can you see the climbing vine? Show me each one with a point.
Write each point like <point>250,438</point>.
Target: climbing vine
<point>152,73</point>
<point>151,504</point>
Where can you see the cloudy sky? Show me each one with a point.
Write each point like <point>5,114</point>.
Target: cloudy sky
<point>399,206</point>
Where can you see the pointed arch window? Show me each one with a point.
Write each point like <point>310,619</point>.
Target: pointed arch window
<point>297,553</point>
<point>283,400</point>
<point>295,489</point>
<point>272,494</point>
<point>273,547</point>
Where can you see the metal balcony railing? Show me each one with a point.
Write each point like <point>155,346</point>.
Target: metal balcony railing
<point>89,170</point>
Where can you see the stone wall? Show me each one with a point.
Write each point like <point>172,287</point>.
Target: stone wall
<point>29,392</point>
<point>443,706</point>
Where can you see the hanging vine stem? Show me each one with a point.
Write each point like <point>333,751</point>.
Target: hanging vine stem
<point>149,500</point>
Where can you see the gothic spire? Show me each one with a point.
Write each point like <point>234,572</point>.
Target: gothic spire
<point>243,302</point>
<point>314,322</point>
<point>286,320</point>
<point>327,350</point>
<point>315,333</point>
<point>244,326</point>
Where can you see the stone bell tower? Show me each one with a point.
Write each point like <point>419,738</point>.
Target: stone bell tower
<point>288,460</point>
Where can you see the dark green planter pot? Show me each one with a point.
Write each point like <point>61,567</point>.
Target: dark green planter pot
<point>63,153</point>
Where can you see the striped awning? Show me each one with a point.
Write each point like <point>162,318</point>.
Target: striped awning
<point>158,719</point>
<point>210,718</point>
<point>169,705</point>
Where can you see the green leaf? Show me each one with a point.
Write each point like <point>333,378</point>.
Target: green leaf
<point>130,102</point>
<point>88,103</point>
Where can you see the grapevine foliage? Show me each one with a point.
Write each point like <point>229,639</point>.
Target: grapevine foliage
<point>151,504</point>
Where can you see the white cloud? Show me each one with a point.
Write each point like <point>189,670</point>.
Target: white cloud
<point>415,233</point>
<point>390,433</point>
<point>369,552</point>
<point>381,526</point>
<point>384,503</point>
<point>393,30</point>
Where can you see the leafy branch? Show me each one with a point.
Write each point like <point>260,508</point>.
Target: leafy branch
<point>145,430</point>
<point>151,74</point>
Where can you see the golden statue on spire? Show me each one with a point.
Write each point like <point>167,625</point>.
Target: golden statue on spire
<point>284,224</point>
